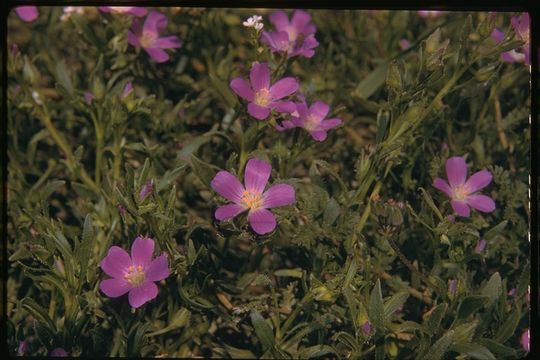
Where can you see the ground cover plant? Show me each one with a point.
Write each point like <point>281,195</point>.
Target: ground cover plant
<point>190,182</point>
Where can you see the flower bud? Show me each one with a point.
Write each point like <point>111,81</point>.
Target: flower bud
<point>321,293</point>
<point>30,72</point>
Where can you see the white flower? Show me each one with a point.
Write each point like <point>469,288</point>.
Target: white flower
<point>35,96</point>
<point>68,10</point>
<point>255,22</point>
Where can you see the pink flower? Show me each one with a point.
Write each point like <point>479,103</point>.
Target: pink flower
<point>27,13</point>
<point>59,352</point>
<point>429,13</point>
<point>452,287</point>
<point>128,89</point>
<point>511,56</point>
<point>461,191</point>
<point>23,347</point>
<point>404,44</point>
<point>293,38</point>
<point>522,26</point>
<point>480,246</point>
<point>512,292</point>
<point>133,10</point>
<point>88,97</point>
<point>135,274</point>
<point>525,340</point>
<point>261,96</point>
<point>311,119</point>
<point>252,197</point>
<point>149,39</point>
<point>366,328</point>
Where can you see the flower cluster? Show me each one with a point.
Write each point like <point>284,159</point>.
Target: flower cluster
<point>254,22</point>
<point>521,26</point>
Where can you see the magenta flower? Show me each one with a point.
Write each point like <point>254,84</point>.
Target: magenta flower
<point>429,13</point>
<point>133,10</point>
<point>522,26</point>
<point>525,340</point>
<point>135,274</point>
<point>252,197</point>
<point>148,37</point>
<point>461,191</point>
<point>128,89</point>
<point>366,328</point>
<point>480,246</point>
<point>404,44</point>
<point>27,13</point>
<point>293,38</point>
<point>59,352</point>
<point>511,56</point>
<point>452,287</point>
<point>88,97</point>
<point>311,119</point>
<point>261,96</point>
<point>512,292</point>
<point>23,347</point>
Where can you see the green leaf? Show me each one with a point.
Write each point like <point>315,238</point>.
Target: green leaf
<point>397,300</point>
<point>430,203</point>
<point>471,305</point>
<point>63,77</point>
<point>383,119</point>
<point>295,273</point>
<point>372,82</point>
<point>524,280</point>
<point>437,350</point>
<point>49,188</point>
<point>433,322</point>
<point>38,313</point>
<point>475,351</point>
<point>263,330</point>
<point>495,230</point>
<point>223,89</point>
<point>497,348</point>
<point>315,351</point>
<point>204,171</point>
<point>331,212</point>
<point>508,328</point>
<point>493,288</point>
<point>85,246</point>
<point>237,353</point>
<point>376,306</point>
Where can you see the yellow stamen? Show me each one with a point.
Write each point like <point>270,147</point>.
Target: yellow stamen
<point>461,192</point>
<point>135,276</point>
<point>252,200</point>
<point>262,97</point>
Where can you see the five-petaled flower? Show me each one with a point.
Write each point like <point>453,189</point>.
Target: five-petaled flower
<point>261,96</point>
<point>293,38</point>
<point>135,274</point>
<point>311,119</point>
<point>27,13</point>
<point>461,191</point>
<point>133,10</point>
<point>148,37</point>
<point>252,197</point>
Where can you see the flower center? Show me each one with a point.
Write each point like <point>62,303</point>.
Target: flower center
<point>251,199</point>
<point>291,30</point>
<point>135,275</point>
<point>311,123</point>
<point>147,39</point>
<point>262,97</point>
<point>461,192</point>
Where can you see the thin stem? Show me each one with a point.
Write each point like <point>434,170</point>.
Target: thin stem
<point>415,293</point>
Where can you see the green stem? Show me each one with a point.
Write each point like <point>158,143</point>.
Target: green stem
<point>306,299</point>
<point>63,145</point>
<point>99,157</point>
<point>407,263</point>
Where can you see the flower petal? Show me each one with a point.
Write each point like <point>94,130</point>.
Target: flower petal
<point>228,211</point>
<point>168,42</point>
<point>158,269</point>
<point>456,171</point>
<point>481,203</point>
<point>27,13</point>
<point>330,124</point>
<point>461,208</point>
<point>114,287</point>
<point>300,21</point>
<point>142,294</point>
<point>283,88</point>
<point>242,88</point>
<point>138,11</point>
<point>258,112</point>
<point>154,22</point>
<point>158,55</point>
<point>319,135</point>
<point>262,221</point>
<point>259,76</point>
<point>116,262</point>
<point>257,175</point>
<point>228,186</point>
<point>478,180</point>
<point>443,186</point>
<point>280,20</point>
<point>142,251</point>
<point>278,195</point>
<point>497,35</point>
<point>319,110</point>
<point>283,106</point>
<point>285,125</point>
